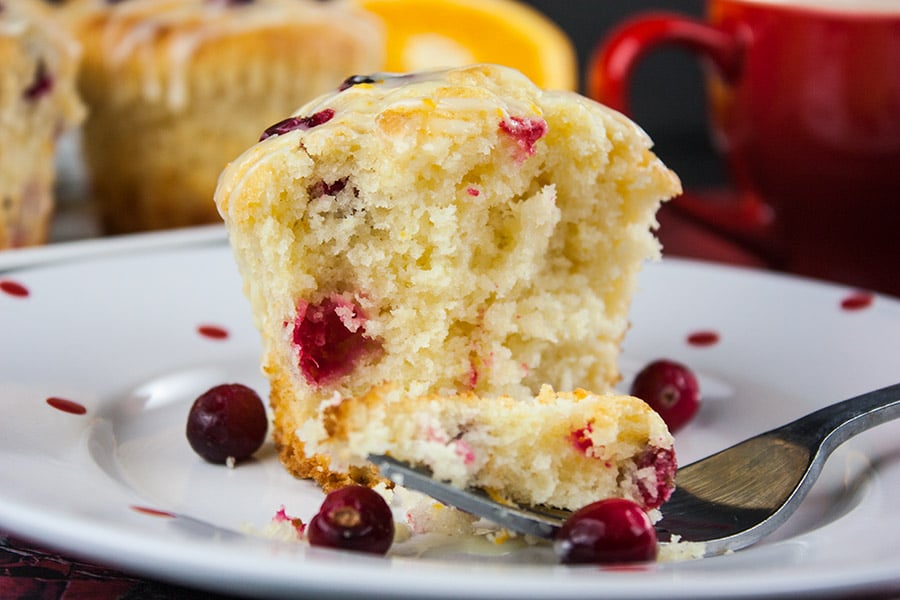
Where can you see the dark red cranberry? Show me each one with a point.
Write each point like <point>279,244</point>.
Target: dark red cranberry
<point>664,463</point>
<point>356,80</point>
<point>227,422</point>
<point>353,518</point>
<point>671,389</point>
<point>303,123</point>
<point>41,85</point>
<point>611,531</point>
<point>322,188</point>
<point>330,337</point>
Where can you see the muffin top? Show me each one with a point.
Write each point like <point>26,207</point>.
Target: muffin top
<point>413,110</point>
<point>160,39</point>
<point>129,27</point>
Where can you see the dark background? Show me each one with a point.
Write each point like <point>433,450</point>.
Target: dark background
<point>667,95</point>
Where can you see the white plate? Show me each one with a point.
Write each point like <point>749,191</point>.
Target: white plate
<point>113,326</point>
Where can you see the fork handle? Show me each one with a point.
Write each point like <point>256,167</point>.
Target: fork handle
<point>831,426</point>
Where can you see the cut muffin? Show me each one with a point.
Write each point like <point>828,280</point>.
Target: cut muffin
<point>558,449</point>
<point>177,88</point>
<point>460,238</point>
<point>37,103</point>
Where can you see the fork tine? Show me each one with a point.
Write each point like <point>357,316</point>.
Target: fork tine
<point>534,522</point>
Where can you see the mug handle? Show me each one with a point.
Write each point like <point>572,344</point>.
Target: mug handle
<point>610,68</point>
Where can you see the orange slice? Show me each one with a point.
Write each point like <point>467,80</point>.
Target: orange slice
<point>423,34</point>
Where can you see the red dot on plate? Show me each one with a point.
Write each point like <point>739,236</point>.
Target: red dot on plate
<point>67,405</point>
<point>13,288</point>
<point>153,512</point>
<point>703,338</point>
<point>858,300</point>
<point>213,332</point>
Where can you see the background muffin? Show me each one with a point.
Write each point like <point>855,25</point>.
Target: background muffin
<point>37,103</point>
<point>177,88</point>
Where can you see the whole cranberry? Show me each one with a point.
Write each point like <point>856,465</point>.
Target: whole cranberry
<point>226,422</point>
<point>611,531</point>
<point>671,389</point>
<point>353,518</point>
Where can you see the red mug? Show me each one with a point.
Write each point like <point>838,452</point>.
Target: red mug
<point>804,100</point>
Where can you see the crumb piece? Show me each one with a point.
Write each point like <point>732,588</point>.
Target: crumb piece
<point>281,527</point>
<point>501,536</point>
<point>429,516</point>
<point>675,550</point>
<point>282,517</point>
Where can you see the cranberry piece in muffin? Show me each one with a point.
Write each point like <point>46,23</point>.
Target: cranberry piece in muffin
<point>526,132</point>
<point>292,123</point>
<point>330,337</point>
<point>42,83</point>
<point>655,492</point>
<point>356,80</point>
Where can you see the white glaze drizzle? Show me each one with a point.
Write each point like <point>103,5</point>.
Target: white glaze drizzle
<point>416,91</point>
<point>413,92</point>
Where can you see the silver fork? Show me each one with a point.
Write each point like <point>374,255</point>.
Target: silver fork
<point>729,500</point>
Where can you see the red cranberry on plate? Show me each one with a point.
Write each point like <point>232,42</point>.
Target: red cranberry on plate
<point>353,518</point>
<point>671,389</point>
<point>610,531</point>
<point>226,422</point>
